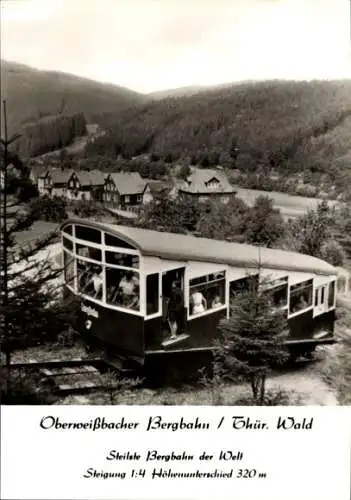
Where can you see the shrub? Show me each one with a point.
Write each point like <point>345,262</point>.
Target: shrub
<point>333,253</point>
<point>49,209</point>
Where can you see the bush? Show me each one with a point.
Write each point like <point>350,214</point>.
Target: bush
<point>272,398</point>
<point>333,253</point>
<point>49,209</point>
<point>86,209</point>
<point>23,388</point>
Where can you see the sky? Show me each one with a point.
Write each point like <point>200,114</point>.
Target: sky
<point>150,45</point>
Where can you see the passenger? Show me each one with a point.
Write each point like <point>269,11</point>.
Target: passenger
<point>176,310</point>
<point>199,302</point>
<point>129,289</point>
<point>98,282</point>
<point>216,302</point>
<point>127,284</point>
<point>303,303</point>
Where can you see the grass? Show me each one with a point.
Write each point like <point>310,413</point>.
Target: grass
<point>336,369</point>
<point>37,231</point>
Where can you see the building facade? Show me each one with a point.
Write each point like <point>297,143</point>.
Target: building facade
<point>126,190</point>
<point>206,184</point>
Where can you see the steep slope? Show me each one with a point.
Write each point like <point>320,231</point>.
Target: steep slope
<point>272,125</point>
<point>31,94</point>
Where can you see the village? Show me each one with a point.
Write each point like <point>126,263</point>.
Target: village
<point>128,191</point>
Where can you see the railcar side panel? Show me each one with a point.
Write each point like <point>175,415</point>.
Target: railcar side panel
<point>304,326</point>
<point>153,333</point>
<point>121,331</point>
<point>203,331</point>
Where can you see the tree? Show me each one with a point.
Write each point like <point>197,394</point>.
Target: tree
<point>184,172</point>
<point>49,209</point>
<point>166,213</point>
<point>32,309</point>
<point>332,252</point>
<point>313,230</point>
<point>223,221</point>
<point>234,151</point>
<point>251,340</point>
<point>265,224</point>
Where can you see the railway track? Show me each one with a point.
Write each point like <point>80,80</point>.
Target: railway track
<point>80,376</point>
<point>65,377</point>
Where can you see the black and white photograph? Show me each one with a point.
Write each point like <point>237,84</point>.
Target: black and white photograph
<point>176,202</point>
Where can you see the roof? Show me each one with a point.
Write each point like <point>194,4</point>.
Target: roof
<point>38,171</point>
<point>128,182</point>
<point>196,183</point>
<point>59,176</point>
<point>185,247</point>
<point>91,178</point>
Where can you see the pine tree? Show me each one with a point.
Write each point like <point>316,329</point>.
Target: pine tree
<point>251,339</point>
<point>31,308</point>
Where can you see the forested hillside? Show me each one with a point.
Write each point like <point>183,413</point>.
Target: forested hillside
<point>32,94</point>
<point>49,133</point>
<point>291,127</point>
<point>285,136</point>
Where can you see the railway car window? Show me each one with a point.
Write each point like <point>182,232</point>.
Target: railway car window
<point>68,268</point>
<point>300,296</point>
<point>68,230</point>
<point>243,285</point>
<point>122,288</point>
<point>113,241</point>
<point>90,279</point>
<point>152,294</point>
<point>279,295</point>
<point>67,243</point>
<point>88,234</point>
<point>331,295</point>
<point>88,252</point>
<point>122,259</point>
<point>277,291</point>
<point>206,292</point>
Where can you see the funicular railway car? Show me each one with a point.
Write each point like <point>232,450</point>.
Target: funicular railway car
<point>145,294</point>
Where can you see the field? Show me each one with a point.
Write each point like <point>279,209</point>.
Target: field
<point>290,206</point>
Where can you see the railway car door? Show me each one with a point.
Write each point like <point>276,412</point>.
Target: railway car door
<point>321,300</point>
<point>173,308</point>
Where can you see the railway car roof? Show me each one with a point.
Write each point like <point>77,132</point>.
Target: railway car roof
<point>187,247</point>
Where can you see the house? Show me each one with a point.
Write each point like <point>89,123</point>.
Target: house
<point>85,185</point>
<point>36,173</point>
<point>53,182</point>
<point>204,184</point>
<point>125,190</point>
<point>40,176</point>
<point>44,182</point>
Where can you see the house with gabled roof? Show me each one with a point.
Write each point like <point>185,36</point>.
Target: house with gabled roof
<point>125,190</point>
<point>57,181</point>
<point>85,185</point>
<point>205,184</point>
<point>39,175</point>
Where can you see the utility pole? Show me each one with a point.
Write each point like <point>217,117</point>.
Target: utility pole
<point>4,292</point>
